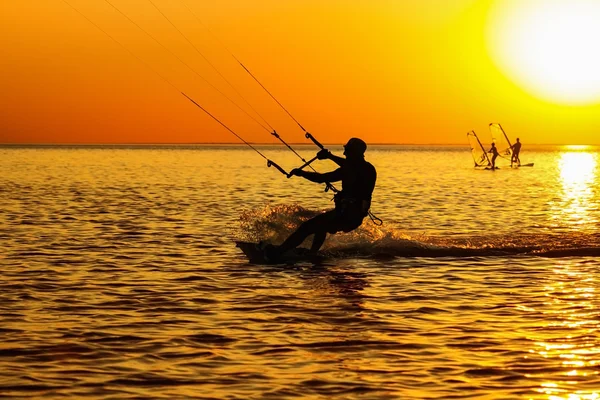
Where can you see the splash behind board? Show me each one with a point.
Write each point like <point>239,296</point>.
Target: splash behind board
<point>300,254</point>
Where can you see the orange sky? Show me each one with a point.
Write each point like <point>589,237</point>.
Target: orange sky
<point>388,71</point>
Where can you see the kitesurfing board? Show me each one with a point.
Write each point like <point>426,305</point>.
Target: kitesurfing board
<point>255,255</point>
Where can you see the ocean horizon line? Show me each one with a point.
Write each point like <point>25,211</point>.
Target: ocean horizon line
<point>148,144</point>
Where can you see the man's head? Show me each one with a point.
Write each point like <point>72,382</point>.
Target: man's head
<point>355,148</point>
<point>517,139</point>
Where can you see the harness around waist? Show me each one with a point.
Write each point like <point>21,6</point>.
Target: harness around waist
<point>352,206</point>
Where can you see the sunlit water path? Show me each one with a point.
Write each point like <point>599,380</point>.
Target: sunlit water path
<point>120,278</point>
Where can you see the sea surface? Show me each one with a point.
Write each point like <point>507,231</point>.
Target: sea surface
<point>121,279</point>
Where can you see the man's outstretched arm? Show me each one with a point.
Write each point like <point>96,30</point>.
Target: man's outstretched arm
<point>326,154</point>
<point>316,177</point>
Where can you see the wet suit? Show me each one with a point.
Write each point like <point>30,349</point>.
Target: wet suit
<point>351,204</point>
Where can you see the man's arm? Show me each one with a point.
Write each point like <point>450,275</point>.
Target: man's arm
<point>316,177</point>
<point>326,154</point>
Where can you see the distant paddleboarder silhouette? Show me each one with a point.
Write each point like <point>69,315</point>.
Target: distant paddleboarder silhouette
<point>516,149</point>
<point>352,203</point>
<point>495,154</point>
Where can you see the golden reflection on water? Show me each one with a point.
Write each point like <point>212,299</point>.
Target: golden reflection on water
<point>578,176</point>
<point>571,301</point>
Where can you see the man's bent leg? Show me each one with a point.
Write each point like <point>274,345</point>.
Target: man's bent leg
<point>318,241</point>
<point>313,225</point>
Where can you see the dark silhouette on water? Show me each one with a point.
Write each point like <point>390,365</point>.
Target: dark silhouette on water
<point>352,203</point>
<point>516,149</point>
<point>495,154</point>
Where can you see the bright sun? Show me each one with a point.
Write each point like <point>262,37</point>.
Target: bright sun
<point>549,47</point>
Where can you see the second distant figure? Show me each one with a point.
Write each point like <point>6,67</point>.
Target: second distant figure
<point>495,154</point>
<point>516,149</point>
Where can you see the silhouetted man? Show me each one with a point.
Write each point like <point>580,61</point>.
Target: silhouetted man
<point>516,149</point>
<point>352,203</point>
<point>495,154</point>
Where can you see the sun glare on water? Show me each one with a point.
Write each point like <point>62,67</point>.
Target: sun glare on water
<point>578,175</point>
<point>548,47</point>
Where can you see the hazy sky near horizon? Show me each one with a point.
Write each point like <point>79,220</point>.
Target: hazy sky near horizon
<point>425,71</point>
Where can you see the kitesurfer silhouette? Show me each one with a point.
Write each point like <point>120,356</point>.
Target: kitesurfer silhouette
<point>352,203</point>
